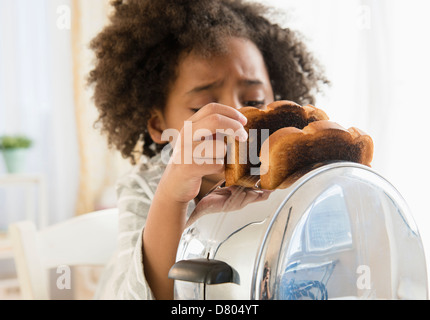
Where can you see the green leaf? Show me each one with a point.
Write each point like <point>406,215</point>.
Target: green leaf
<point>15,142</point>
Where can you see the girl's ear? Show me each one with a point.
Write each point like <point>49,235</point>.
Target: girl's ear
<point>156,126</point>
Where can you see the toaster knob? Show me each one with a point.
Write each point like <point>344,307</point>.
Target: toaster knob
<point>204,271</point>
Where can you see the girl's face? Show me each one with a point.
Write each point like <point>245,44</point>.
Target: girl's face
<point>238,78</point>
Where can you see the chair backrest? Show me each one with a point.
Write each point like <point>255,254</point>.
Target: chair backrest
<point>89,239</point>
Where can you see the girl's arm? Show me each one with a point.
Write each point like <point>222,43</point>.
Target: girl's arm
<point>163,230</point>
<point>180,184</point>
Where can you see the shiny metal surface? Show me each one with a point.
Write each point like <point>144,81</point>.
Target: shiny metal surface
<point>338,230</point>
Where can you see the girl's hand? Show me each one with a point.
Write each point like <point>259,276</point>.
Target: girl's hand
<point>199,151</point>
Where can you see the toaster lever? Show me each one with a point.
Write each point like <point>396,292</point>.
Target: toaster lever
<point>204,271</point>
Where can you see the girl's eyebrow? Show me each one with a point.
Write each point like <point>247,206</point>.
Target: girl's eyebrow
<point>251,82</point>
<point>244,82</point>
<point>205,87</point>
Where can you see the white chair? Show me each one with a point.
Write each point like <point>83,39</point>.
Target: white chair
<point>89,239</point>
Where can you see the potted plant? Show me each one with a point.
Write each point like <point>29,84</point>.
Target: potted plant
<point>14,149</point>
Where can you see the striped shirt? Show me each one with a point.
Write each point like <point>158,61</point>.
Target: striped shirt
<point>123,277</point>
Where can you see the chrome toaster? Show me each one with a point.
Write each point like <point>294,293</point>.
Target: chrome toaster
<point>335,231</point>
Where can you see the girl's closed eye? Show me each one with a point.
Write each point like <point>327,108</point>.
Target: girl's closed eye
<point>255,103</point>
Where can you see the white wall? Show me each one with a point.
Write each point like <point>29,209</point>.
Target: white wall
<point>36,98</point>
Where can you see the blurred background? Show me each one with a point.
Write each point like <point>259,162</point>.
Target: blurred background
<point>375,53</point>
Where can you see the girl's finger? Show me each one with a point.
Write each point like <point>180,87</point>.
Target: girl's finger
<point>216,108</point>
<point>218,124</point>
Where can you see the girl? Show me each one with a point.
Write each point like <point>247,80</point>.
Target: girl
<point>161,63</point>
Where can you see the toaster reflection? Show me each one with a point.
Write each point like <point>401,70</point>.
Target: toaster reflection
<point>227,199</point>
<point>339,231</point>
<point>326,232</point>
<point>265,289</point>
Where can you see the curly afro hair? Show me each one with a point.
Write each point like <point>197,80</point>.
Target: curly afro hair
<point>138,52</point>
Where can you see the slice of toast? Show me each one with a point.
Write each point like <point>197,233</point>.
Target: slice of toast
<point>243,156</point>
<point>291,149</point>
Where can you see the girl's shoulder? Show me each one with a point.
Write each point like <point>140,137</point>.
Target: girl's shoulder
<point>143,177</point>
